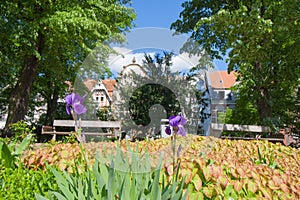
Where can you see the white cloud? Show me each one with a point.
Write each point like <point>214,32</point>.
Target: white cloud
<point>166,40</point>
<point>116,62</point>
<point>182,62</point>
<point>151,41</point>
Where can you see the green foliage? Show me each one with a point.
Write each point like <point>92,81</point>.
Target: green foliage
<point>148,95</point>
<point>243,113</point>
<point>70,138</point>
<point>144,97</point>
<point>51,37</point>
<point>16,181</point>
<point>262,42</point>
<point>6,156</point>
<point>128,176</point>
<point>10,153</point>
<point>153,92</point>
<point>20,130</point>
<point>22,183</point>
<point>262,159</point>
<point>103,114</point>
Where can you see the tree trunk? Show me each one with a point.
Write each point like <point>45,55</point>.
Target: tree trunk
<point>51,108</point>
<point>19,98</point>
<point>263,107</point>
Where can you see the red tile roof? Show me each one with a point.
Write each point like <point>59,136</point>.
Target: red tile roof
<point>89,83</point>
<point>109,85</point>
<point>222,80</point>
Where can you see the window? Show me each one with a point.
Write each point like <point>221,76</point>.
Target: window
<point>221,94</point>
<point>102,99</point>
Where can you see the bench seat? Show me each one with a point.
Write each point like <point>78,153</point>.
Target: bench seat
<point>114,128</point>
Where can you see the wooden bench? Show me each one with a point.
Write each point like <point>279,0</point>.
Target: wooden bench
<point>247,128</point>
<point>114,128</point>
<point>274,140</point>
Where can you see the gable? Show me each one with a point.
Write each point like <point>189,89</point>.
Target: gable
<point>221,79</point>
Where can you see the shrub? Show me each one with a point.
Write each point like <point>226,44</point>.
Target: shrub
<point>23,183</point>
<point>10,153</point>
<point>20,130</point>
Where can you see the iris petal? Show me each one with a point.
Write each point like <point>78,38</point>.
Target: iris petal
<point>68,109</point>
<point>173,120</point>
<point>79,108</point>
<point>181,130</point>
<point>76,98</point>
<point>168,130</point>
<point>82,99</point>
<point>75,101</point>
<point>69,102</point>
<point>182,121</point>
<point>69,99</point>
<point>177,120</point>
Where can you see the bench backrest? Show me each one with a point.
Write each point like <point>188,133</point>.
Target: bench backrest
<point>88,124</point>
<point>238,127</point>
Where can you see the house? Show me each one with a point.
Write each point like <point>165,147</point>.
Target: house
<point>128,78</point>
<point>219,84</point>
<point>101,91</point>
<point>133,67</point>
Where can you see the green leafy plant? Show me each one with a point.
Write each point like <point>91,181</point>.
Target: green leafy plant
<point>128,176</point>
<point>17,181</point>
<point>104,114</point>
<point>20,130</point>
<point>22,183</point>
<point>70,138</point>
<point>10,153</point>
<point>262,159</point>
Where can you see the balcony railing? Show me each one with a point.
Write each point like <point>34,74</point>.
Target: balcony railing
<point>222,101</point>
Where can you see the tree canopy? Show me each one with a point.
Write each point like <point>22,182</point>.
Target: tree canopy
<point>153,91</point>
<point>51,39</point>
<point>263,41</point>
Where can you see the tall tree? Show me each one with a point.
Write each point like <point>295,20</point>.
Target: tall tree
<point>151,93</point>
<point>146,94</point>
<point>262,38</point>
<point>38,35</point>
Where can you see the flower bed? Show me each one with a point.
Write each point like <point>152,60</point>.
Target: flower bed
<point>213,168</point>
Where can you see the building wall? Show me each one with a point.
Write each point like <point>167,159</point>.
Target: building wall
<point>101,98</point>
<point>219,85</point>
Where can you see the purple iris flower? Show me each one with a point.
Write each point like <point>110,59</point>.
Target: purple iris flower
<point>168,130</point>
<point>177,122</point>
<point>75,102</point>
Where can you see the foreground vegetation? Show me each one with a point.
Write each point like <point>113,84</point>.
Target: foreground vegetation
<point>210,168</point>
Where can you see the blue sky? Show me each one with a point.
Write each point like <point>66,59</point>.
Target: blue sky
<point>152,31</point>
<point>162,13</point>
<point>155,13</point>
